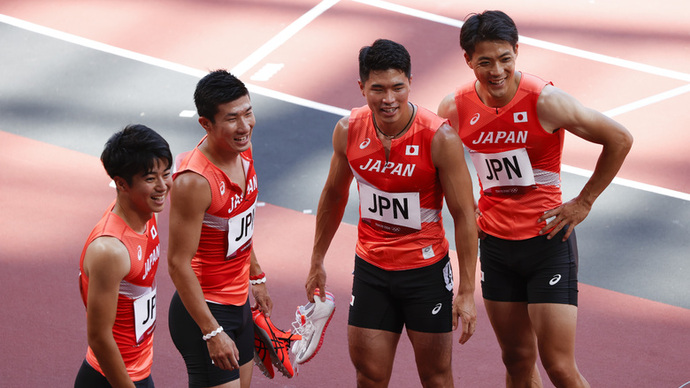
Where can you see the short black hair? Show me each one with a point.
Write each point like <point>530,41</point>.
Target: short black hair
<point>216,88</point>
<point>383,54</point>
<point>134,150</point>
<point>487,26</point>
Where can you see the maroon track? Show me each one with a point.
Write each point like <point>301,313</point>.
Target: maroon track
<point>623,341</point>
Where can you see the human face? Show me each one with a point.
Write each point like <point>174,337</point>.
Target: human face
<point>232,129</point>
<point>149,189</point>
<point>386,92</point>
<point>493,64</point>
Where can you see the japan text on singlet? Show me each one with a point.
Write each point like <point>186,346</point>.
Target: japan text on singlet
<point>400,224</point>
<point>221,262</point>
<point>136,303</point>
<point>518,163</point>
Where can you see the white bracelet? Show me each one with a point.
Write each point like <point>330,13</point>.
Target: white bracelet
<point>212,334</point>
<point>258,281</point>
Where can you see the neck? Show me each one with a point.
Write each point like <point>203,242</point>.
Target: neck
<point>134,219</point>
<point>221,158</point>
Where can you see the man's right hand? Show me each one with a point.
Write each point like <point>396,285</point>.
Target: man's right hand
<point>223,352</point>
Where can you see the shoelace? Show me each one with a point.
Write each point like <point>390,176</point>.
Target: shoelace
<point>304,327</point>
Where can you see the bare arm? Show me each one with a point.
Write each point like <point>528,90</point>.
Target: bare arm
<point>448,157</point>
<point>332,205</point>
<point>557,109</point>
<point>260,291</point>
<point>106,263</point>
<point>190,197</point>
<point>448,110</point>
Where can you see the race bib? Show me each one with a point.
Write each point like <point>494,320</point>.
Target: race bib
<point>144,314</point>
<point>504,173</point>
<point>240,229</point>
<point>391,212</point>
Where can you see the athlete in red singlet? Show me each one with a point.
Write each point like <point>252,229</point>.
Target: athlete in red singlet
<point>119,262</point>
<point>210,256</point>
<point>405,160</point>
<point>513,125</point>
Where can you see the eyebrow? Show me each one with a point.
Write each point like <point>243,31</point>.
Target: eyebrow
<point>507,52</point>
<point>382,86</point>
<point>234,114</point>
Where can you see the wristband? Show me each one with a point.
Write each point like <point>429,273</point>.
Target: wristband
<point>258,279</point>
<point>212,334</point>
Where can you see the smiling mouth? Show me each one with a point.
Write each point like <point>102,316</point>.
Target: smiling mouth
<point>158,198</point>
<point>499,82</point>
<point>389,111</point>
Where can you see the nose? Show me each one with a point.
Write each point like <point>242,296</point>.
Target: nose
<point>496,69</point>
<point>163,182</point>
<point>389,98</point>
<point>245,123</point>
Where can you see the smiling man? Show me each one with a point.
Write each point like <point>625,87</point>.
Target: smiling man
<point>211,255</point>
<point>513,125</point>
<point>405,160</point>
<point>119,262</point>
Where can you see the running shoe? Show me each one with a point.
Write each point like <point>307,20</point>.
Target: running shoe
<point>262,358</point>
<point>311,321</point>
<point>276,342</point>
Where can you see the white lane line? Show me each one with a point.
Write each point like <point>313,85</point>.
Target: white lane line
<point>630,183</point>
<point>411,12</point>
<point>266,92</point>
<point>648,101</point>
<point>282,37</point>
<point>297,100</point>
<point>88,43</point>
<point>534,42</point>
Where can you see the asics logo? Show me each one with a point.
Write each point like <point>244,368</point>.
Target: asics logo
<point>555,279</point>
<point>364,144</point>
<point>475,118</point>
<point>436,309</point>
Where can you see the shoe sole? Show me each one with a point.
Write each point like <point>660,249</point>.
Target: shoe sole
<point>265,337</point>
<point>323,334</point>
<point>260,345</point>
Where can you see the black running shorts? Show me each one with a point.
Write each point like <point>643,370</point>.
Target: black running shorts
<point>420,299</point>
<point>88,377</point>
<point>535,270</point>
<point>237,323</point>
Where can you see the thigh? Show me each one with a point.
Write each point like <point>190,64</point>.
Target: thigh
<point>425,295</point>
<point>433,354</point>
<point>501,278</point>
<point>553,271</point>
<point>512,326</point>
<point>372,305</point>
<point>555,325</point>
<point>372,351</point>
<point>238,324</point>
<point>187,338</point>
